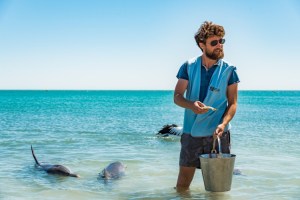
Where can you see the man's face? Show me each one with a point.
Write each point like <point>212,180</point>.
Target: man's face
<point>213,48</point>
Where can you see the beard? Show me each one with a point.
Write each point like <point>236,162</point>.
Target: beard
<point>215,55</point>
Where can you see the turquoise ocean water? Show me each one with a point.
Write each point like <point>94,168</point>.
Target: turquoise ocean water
<point>87,130</point>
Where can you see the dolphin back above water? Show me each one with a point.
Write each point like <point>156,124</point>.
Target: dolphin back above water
<point>114,170</point>
<point>54,169</point>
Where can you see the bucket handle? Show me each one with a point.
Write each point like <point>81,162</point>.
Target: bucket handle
<point>214,146</point>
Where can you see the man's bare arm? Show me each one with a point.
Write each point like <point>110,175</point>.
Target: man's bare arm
<point>196,107</point>
<point>232,91</point>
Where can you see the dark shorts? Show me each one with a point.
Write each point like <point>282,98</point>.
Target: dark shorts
<point>192,147</point>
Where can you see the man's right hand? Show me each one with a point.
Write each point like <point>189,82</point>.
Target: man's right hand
<point>199,108</point>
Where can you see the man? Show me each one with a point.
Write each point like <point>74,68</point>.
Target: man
<point>209,82</point>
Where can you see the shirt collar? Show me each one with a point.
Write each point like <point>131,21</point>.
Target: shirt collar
<point>214,65</point>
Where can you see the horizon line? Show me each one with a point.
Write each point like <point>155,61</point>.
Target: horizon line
<point>133,90</point>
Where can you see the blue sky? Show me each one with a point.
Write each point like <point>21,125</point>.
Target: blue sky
<point>140,44</point>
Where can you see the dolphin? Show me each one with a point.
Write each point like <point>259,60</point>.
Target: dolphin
<point>114,170</point>
<point>54,169</point>
<point>170,129</point>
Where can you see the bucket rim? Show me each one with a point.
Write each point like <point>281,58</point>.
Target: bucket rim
<point>208,155</point>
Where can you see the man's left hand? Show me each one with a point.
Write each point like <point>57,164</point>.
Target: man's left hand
<point>219,130</point>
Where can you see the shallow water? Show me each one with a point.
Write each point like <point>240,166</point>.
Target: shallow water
<point>87,130</point>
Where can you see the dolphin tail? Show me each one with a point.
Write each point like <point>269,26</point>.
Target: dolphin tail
<point>36,161</point>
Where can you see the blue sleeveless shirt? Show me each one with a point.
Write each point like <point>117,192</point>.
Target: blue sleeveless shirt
<point>201,125</point>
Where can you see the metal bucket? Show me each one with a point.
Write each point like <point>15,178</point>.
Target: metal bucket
<point>217,170</point>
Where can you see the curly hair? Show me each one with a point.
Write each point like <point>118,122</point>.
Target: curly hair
<point>206,30</point>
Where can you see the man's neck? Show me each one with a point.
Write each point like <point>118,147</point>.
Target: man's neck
<point>207,62</point>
